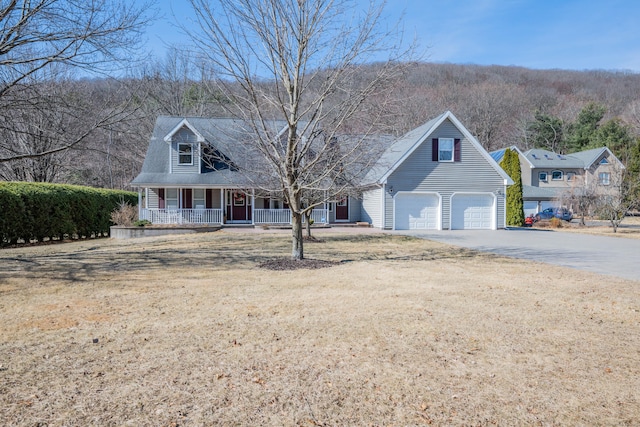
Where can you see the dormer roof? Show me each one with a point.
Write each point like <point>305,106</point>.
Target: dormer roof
<point>184,123</point>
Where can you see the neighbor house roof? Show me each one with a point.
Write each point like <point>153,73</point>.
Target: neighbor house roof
<point>538,193</point>
<point>499,154</point>
<point>540,158</point>
<point>545,159</point>
<point>589,157</point>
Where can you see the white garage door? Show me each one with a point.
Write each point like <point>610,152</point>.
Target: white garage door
<point>417,211</point>
<point>472,212</point>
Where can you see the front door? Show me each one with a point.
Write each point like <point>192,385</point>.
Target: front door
<point>342,209</point>
<point>238,206</point>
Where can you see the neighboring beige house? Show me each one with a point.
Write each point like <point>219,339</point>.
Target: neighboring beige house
<point>547,176</point>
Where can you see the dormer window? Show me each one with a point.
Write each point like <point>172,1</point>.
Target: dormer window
<point>185,154</point>
<point>556,176</point>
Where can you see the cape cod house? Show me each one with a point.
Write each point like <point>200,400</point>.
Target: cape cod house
<point>191,175</point>
<point>435,177</point>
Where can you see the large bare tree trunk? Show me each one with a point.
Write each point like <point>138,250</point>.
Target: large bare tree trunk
<point>297,251</point>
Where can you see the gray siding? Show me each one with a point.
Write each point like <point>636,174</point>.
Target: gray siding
<point>473,173</point>
<point>371,207</point>
<point>355,207</point>
<point>152,199</point>
<point>185,136</point>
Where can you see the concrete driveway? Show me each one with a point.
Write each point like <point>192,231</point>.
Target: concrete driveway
<point>600,254</point>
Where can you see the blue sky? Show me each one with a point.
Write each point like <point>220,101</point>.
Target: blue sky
<point>540,34</point>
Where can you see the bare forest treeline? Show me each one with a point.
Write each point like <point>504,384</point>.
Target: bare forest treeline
<point>497,104</point>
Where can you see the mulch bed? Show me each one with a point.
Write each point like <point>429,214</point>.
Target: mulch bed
<point>284,264</point>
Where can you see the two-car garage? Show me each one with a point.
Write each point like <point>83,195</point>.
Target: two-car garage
<point>423,211</point>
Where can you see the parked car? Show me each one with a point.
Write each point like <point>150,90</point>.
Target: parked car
<point>562,213</point>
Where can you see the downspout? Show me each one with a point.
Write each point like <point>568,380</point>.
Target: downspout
<point>382,206</point>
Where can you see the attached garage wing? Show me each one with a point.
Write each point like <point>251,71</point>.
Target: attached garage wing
<point>473,211</point>
<point>416,211</point>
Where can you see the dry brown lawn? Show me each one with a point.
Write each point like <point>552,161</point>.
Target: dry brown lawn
<point>189,331</point>
<point>629,228</point>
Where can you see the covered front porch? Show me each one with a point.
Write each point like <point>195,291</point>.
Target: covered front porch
<point>216,206</point>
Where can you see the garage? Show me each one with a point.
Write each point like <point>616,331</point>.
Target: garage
<point>417,211</point>
<point>473,211</point>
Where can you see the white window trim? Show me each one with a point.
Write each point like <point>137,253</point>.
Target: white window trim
<point>606,181</point>
<point>184,154</point>
<point>440,150</point>
<point>557,179</point>
<point>546,176</point>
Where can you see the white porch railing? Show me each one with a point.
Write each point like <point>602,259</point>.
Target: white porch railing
<point>214,216</point>
<point>272,216</point>
<point>319,216</point>
<point>283,216</point>
<point>182,216</point>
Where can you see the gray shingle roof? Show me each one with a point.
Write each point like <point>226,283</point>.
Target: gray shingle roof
<point>398,149</point>
<point>540,158</point>
<point>224,134</point>
<point>537,193</point>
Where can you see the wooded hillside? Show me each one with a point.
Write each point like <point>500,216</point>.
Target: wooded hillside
<point>501,106</point>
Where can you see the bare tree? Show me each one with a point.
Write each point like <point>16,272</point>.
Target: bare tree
<point>580,197</point>
<point>303,62</point>
<point>176,86</point>
<point>618,197</point>
<point>39,39</point>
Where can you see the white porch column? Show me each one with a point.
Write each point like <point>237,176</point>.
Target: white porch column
<point>223,207</point>
<point>180,205</point>
<point>253,205</point>
<point>139,202</point>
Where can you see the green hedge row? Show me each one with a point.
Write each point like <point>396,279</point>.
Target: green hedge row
<point>35,211</point>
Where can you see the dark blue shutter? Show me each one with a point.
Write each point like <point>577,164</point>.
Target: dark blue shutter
<point>456,150</point>
<point>161,198</point>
